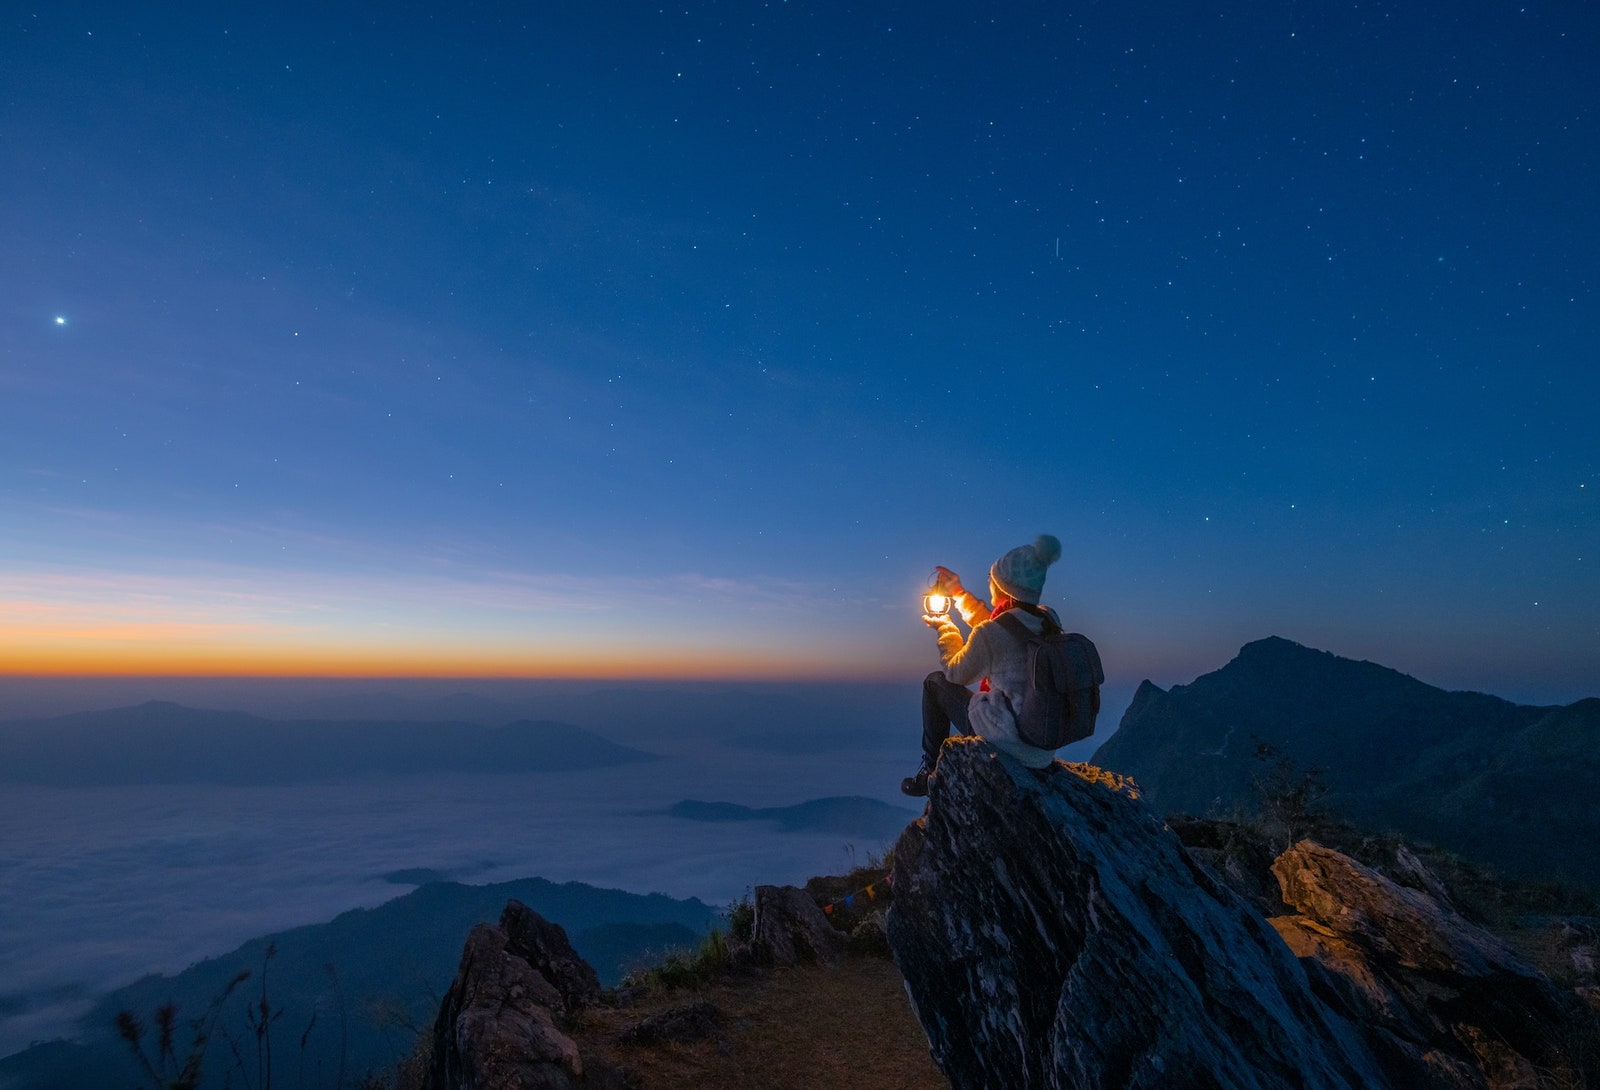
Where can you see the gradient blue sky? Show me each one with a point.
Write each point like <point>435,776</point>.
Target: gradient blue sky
<point>685,340</point>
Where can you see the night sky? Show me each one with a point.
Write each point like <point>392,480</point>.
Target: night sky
<point>615,339</point>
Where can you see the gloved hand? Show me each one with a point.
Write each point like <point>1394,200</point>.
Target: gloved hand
<point>947,582</point>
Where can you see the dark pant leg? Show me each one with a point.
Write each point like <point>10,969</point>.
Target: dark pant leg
<point>944,705</point>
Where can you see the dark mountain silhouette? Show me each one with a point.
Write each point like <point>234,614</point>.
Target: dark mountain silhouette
<point>392,965</point>
<point>462,707</point>
<point>850,815</point>
<point>1509,784</point>
<point>160,742</point>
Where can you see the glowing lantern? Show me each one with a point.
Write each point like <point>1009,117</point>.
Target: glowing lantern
<point>936,604</point>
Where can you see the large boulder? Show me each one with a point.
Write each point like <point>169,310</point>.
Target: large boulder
<point>1435,992</point>
<point>787,928</point>
<point>1054,933</point>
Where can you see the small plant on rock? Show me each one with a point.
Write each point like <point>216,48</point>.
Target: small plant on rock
<point>742,918</point>
<point>1288,797</point>
<point>685,968</point>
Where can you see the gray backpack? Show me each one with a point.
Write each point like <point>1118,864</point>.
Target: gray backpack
<point>1062,696</point>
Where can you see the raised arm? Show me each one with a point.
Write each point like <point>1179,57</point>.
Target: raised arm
<point>973,609</point>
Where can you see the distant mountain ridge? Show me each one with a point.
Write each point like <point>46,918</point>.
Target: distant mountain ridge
<point>162,742</point>
<point>1508,784</point>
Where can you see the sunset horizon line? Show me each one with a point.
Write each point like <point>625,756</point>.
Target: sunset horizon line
<point>686,676</point>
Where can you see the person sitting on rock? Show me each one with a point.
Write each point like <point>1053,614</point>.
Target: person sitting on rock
<point>989,655</point>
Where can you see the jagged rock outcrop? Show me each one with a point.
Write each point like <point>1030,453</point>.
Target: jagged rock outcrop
<point>1436,993</point>
<point>1053,932</point>
<point>787,928</point>
<point>544,946</point>
<point>500,1025</point>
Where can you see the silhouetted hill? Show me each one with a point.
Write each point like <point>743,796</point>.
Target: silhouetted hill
<point>850,815</point>
<point>392,963</point>
<point>161,742</point>
<point>1505,783</point>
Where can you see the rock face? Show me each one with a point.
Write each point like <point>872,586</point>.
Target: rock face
<point>499,1027</point>
<point>1436,993</point>
<point>1053,932</point>
<point>787,928</point>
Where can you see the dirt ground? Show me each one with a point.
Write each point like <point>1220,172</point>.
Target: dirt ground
<point>793,1029</point>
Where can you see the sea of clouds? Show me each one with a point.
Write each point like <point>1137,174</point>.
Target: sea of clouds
<point>101,886</point>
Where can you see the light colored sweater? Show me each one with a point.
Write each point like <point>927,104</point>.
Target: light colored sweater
<point>989,652</point>
<point>994,653</point>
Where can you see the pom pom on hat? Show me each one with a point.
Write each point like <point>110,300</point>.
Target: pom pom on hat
<point>1019,574</point>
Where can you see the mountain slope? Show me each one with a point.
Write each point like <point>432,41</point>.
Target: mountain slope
<point>391,963</point>
<point>1506,783</point>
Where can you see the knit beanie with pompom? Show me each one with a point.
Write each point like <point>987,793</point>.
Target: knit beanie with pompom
<point>1020,573</point>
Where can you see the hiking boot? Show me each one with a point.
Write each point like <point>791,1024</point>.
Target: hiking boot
<point>917,786</point>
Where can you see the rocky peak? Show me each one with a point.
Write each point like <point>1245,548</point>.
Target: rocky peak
<point>1274,649</point>
<point>544,946</point>
<point>502,1025</point>
<point>1053,932</point>
<point>1284,671</point>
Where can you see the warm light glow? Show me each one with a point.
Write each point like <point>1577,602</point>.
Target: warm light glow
<point>117,658</point>
<point>936,604</point>
<point>252,623</point>
<point>36,643</point>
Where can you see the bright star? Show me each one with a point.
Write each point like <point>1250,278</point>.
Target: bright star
<point>60,320</point>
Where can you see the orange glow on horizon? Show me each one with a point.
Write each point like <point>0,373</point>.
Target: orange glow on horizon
<point>159,628</point>
<point>94,654</point>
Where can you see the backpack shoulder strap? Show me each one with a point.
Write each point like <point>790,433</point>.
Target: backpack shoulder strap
<point>1019,631</point>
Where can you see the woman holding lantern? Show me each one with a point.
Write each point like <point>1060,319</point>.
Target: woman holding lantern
<point>988,655</point>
